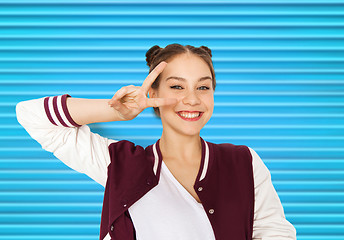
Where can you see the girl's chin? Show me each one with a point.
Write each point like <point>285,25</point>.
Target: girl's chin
<point>189,130</point>
<point>183,129</point>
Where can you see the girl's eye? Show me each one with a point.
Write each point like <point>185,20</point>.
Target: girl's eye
<point>176,87</point>
<point>204,88</point>
<point>180,87</point>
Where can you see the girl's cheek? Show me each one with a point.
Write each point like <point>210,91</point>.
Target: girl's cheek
<point>175,94</point>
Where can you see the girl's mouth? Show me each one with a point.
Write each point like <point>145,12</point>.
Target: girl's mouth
<point>190,116</point>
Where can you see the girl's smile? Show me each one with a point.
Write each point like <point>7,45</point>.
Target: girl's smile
<point>190,115</point>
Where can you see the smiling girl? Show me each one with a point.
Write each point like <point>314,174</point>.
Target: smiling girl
<point>180,187</point>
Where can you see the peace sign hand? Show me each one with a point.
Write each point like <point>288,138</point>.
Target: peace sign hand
<point>131,100</point>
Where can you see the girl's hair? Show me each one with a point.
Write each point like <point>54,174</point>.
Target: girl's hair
<point>157,54</point>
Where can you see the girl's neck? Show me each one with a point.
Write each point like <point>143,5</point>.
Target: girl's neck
<point>180,148</point>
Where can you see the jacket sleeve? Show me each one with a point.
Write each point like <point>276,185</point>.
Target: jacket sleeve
<point>48,121</point>
<point>269,219</point>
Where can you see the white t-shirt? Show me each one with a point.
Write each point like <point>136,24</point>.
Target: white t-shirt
<point>170,212</point>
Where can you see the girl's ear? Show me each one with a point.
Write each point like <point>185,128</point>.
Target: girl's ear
<point>152,93</point>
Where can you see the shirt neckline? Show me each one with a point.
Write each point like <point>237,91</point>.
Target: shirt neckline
<point>201,171</point>
<point>177,183</point>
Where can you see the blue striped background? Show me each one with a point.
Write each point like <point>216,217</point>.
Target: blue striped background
<point>279,68</point>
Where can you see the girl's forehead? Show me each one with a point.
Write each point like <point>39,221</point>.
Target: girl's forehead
<point>186,67</point>
<point>183,59</point>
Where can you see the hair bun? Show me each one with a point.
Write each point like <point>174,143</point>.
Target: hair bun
<point>151,53</point>
<point>206,49</point>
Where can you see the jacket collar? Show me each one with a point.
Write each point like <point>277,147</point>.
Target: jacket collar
<point>204,160</point>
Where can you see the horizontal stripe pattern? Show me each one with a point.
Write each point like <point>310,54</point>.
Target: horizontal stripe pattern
<point>279,70</point>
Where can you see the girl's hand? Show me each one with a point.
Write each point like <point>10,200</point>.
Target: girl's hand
<point>131,100</point>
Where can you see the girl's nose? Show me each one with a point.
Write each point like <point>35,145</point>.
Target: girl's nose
<point>191,98</point>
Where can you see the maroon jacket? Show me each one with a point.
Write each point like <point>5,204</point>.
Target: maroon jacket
<point>224,184</point>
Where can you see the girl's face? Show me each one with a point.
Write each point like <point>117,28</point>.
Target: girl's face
<point>187,78</point>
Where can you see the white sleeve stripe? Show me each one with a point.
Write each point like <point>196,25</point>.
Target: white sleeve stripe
<point>60,110</point>
<point>66,112</point>
<point>206,161</point>
<point>52,112</point>
<point>47,111</point>
<point>156,159</point>
<point>56,110</point>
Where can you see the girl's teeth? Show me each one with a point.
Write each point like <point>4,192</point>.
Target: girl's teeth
<point>189,115</point>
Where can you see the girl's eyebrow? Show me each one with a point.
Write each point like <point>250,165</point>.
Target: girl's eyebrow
<point>183,79</point>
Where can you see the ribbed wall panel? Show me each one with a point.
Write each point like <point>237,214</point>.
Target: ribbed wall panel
<point>280,90</point>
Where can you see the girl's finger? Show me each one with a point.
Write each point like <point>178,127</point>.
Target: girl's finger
<point>117,105</point>
<point>122,92</point>
<point>147,83</point>
<point>158,102</point>
<point>120,107</point>
<point>119,94</point>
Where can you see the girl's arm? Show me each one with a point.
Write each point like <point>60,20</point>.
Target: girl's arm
<point>85,111</point>
<point>49,122</point>
<point>269,219</point>
<point>59,124</point>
